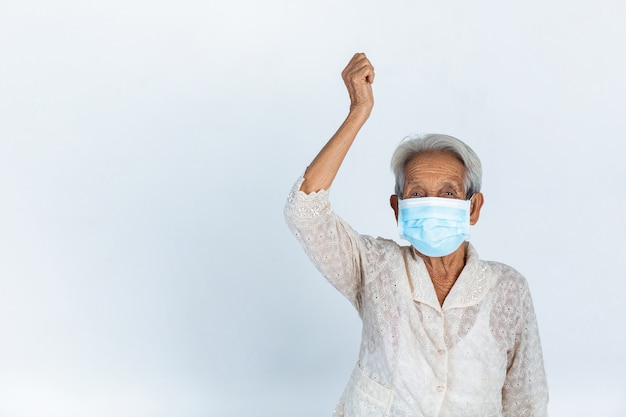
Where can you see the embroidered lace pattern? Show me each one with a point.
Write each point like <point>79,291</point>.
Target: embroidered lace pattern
<point>477,355</point>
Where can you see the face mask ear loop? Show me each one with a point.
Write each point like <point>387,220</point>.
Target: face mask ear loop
<point>471,203</point>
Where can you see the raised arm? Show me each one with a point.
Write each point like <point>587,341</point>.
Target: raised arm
<point>358,77</point>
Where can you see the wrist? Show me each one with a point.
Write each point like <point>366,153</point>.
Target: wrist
<point>360,111</point>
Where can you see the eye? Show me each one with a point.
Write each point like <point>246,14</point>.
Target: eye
<point>448,194</point>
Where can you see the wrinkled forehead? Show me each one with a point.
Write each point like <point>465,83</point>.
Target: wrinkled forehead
<point>434,166</point>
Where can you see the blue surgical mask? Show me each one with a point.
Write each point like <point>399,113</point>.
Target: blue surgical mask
<point>435,226</point>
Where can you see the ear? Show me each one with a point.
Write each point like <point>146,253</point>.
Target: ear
<point>393,201</point>
<point>477,203</point>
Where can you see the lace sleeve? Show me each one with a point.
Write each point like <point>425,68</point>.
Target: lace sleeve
<point>525,391</point>
<point>331,244</point>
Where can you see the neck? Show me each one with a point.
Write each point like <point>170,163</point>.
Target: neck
<point>445,270</point>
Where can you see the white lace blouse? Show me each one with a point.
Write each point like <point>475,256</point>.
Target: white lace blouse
<point>478,355</point>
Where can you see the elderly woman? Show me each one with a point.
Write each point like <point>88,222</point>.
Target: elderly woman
<point>444,332</point>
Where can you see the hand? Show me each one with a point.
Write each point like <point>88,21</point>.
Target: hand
<point>358,77</point>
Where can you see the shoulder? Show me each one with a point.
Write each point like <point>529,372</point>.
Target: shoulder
<point>494,275</point>
<point>381,242</point>
<point>381,259</point>
<point>508,281</point>
<point>382,245</point>
<point>378,249</point>
<point>503,271</point>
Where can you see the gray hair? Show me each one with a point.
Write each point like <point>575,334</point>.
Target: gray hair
<point>419,144</point>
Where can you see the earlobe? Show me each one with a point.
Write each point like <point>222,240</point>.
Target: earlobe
<point>477,203</point>
<point>393,201</point>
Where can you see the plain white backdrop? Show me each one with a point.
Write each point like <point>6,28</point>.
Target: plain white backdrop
<point>147,148</point>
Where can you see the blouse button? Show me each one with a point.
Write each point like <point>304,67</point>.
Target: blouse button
<point>439,388</point>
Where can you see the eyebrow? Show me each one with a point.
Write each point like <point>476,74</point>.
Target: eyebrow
<point>444,183</point>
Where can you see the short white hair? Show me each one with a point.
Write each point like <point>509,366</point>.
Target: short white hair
<point>412,146</point>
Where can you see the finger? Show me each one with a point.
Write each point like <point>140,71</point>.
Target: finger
<point>361,67</point>
<point>370,74</point>
<point>358,60</point>
<point>358,56</point>
<point>364,72</point>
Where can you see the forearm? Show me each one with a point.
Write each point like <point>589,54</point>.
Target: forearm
<point>321,172</point>
<point>358,77</point>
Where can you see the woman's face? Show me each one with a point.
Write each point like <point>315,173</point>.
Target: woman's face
<point>437,174</point>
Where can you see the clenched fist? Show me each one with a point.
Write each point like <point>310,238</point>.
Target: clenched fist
<point>358,77</point>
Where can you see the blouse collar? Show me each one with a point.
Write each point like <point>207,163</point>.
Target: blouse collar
<point>469,288</point>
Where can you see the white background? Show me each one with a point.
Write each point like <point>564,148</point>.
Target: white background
<point>147,148</point>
